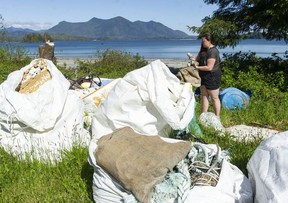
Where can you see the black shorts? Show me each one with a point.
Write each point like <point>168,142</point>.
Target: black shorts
<point>211,80</point>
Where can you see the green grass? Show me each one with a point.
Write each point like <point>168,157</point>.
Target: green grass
<point>27,181</point>
<point>71,179</point>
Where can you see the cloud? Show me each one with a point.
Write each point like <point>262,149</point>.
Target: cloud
<point>29,25</point>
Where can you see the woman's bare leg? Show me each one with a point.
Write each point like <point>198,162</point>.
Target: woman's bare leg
<point>204,98</point>
<point>214,94</point>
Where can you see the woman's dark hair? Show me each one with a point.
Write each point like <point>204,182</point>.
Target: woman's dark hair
<point>208,37</point>
<point>202,48</point>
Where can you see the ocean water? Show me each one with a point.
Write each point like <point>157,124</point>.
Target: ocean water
<point>153,49</point>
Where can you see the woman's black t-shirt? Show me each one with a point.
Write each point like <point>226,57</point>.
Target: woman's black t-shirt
<point>210,79</point>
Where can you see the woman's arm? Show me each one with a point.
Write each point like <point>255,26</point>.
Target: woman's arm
<point>208,67</point>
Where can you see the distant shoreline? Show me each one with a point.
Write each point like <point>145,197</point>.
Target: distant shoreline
<point>72,62</point>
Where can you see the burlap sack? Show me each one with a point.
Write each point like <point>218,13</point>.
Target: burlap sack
<point>137,161</point>
<point>189,74</point>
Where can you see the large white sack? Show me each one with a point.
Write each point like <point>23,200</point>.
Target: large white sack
<point>142,101</point>
<point>42,124</point>
<point>106,189</point>
<point>148,100</point>
<point>233,186</point>
<point>268,170</point>
<point>40,109</point>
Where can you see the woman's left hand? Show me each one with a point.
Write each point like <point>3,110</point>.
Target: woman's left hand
<point>195,66</point>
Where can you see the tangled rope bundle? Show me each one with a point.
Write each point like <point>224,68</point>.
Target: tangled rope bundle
<point>204,165</point>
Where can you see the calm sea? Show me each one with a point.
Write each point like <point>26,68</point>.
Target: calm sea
<point>153,49</point>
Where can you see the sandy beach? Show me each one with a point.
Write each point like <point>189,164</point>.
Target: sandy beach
<point>71,62</point>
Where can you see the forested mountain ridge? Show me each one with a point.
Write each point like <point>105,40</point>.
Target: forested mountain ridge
<point>116,28</point>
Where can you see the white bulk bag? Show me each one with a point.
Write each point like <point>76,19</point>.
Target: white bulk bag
<point>106,189</point>
<point>40,109</point>
<point>267,169</point>
<point>148,100</point>
<point>43,123</point>
<point>233,186</point>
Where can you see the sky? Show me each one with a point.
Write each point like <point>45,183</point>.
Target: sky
<point>44,14</point>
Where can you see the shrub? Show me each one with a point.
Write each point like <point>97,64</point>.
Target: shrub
<point>109,64</point>
<point>247,71</point>
<point>267,79</point>
<point>8,66</point>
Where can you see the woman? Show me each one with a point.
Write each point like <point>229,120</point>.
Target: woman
<point>210,74</point>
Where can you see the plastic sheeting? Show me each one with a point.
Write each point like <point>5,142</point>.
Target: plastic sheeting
<point>40,125</point>
<point>210,120</point>
<point>267,170</point>
<point>149,100</point>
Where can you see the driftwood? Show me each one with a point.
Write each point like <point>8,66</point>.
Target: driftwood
<point>47,51</point>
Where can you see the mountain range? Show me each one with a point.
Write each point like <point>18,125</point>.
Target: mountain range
<point>114,28</point>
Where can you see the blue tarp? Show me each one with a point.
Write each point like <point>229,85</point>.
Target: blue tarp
<point>233,98</point>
